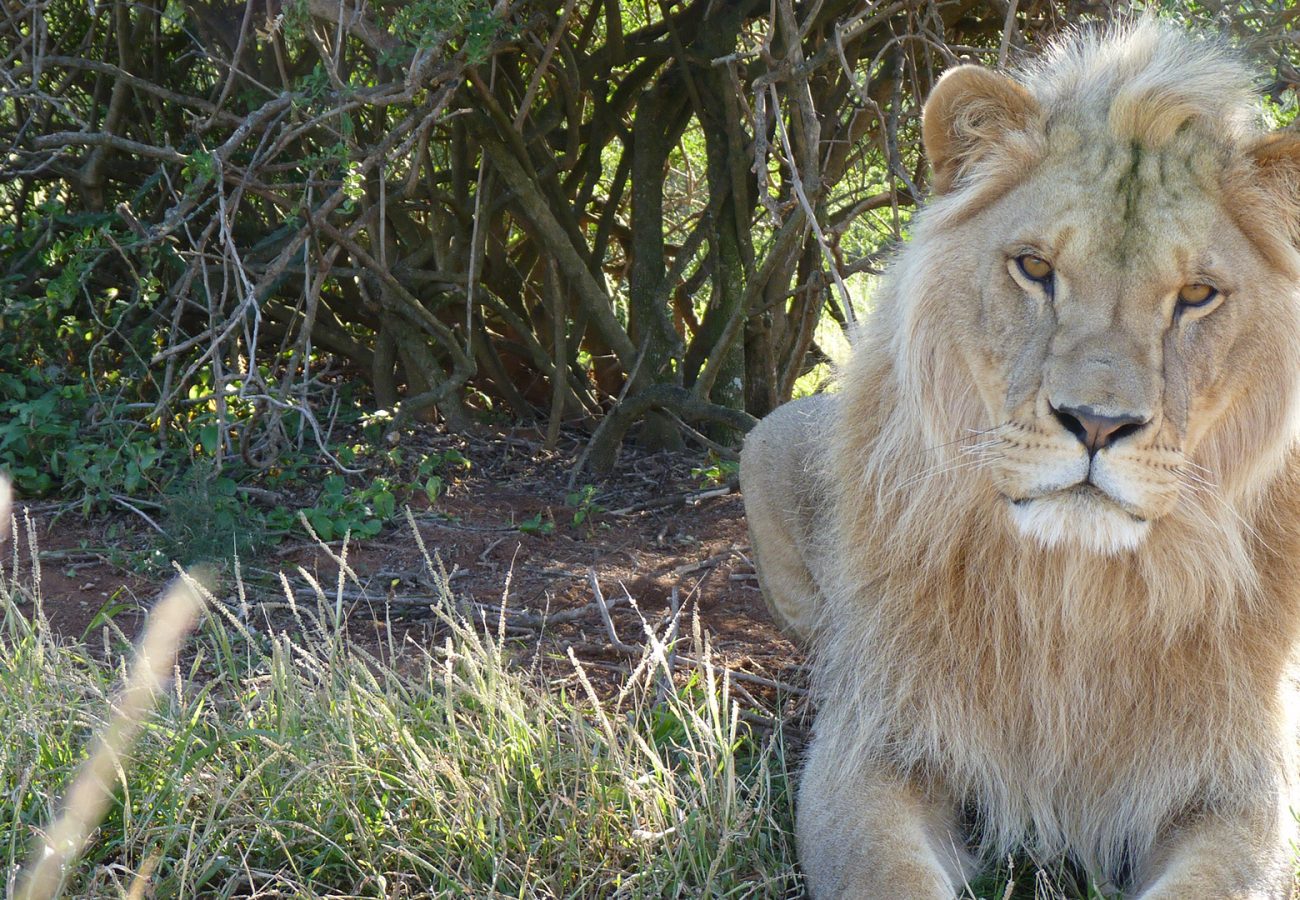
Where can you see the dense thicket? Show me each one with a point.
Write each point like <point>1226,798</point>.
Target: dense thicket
<point>605,212</point>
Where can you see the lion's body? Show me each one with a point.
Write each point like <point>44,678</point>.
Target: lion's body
<point>1002,666</point>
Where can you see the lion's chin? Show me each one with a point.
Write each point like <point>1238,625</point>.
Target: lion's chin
<point>1079,517</point>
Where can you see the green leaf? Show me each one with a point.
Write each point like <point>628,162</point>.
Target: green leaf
<point>433,488</point>
<point>322,523</point>
<point>208,439</point>
<point>534,524</point>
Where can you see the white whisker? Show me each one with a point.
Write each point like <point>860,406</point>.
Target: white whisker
<point>972,432</point>
<point>946,468</point>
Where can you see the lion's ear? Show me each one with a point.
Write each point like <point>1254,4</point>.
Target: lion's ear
<point>1277,165</point>
<point>970,113</point>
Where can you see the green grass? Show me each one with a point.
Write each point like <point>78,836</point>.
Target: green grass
<point>299,765</point>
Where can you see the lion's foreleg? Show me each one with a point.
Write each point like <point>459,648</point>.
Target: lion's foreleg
<point>1228,859</point>
<point>869,834</point>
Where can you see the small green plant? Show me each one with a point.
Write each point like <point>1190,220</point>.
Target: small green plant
<point>535,524</point>
<point>429,475</point>
<point>584,505</point>
<point>716,471</point>
<point>339,511</point>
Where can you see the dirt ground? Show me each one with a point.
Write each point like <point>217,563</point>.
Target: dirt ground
<point>656,533</point>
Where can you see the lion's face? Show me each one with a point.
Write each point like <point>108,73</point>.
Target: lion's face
<point>1116,303</point>
<point>1124,335</point>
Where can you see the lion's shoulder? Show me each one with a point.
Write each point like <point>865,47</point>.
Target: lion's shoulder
<point>784,454</point>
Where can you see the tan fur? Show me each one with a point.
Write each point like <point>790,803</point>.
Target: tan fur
<point>1017,646</point>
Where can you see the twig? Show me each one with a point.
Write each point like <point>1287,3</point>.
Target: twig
<point>122,501</point>
<point>690,498</point>
<point>797,183</point>
<point>59,139</point>
<point>783,686</point>
<point>1007,28</point>
<point>712,562</point>
<point>603,606</point>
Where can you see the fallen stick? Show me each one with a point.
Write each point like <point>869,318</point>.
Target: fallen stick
<point>690,498</point>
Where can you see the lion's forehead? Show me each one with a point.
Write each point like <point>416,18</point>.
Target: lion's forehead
<point>1144,209</point>
<point>1194,158</point>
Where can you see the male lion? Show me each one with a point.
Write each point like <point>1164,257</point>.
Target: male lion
<point>1045,541</point>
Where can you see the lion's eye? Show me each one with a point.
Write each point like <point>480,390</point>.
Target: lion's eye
<point>1194,295</point>
<point>1035,268</point>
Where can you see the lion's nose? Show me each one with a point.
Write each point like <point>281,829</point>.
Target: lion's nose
<point>1094,430</point>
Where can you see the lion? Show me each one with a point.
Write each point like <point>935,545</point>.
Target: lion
<point>1044,542</point>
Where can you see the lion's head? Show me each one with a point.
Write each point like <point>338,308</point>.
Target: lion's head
<point>1110,261</point>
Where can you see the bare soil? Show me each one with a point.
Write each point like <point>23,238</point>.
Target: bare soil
<point>656,532</point>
